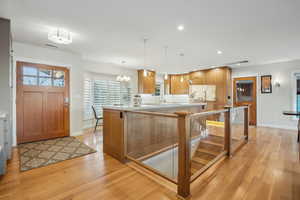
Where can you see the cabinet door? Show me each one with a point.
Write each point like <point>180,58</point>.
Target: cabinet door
<point>146,84</point>
<point>179,84</point>
<point>113,135</point>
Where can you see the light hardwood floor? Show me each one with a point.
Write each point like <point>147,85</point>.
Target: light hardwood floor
<point>266,168</point>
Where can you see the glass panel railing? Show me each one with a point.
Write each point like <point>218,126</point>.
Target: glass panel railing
<point>237,123</point>
<point>152,141</point>
<point>207,139</point>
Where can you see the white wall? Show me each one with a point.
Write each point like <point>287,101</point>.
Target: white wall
<point>271,106</point>
<point>78,69</point>
<point>35,54</point>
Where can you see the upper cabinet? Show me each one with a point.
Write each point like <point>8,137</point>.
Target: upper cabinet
<point>220,77</point>
<point>179,84</point>
<point>146,81</point>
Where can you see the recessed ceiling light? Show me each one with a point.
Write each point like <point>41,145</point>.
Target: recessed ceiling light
<point>238,64</point>
<point>219,52</point>
<point>180,27</point>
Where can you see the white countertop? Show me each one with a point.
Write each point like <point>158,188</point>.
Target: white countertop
<point>152,106</point>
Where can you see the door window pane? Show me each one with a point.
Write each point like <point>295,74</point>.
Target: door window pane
<point>45,72</point>
<point>45,81</point>
<point>244,91</point>
<point>31,71</point>
<point>59,82</point>
<point>59,74</point>
<point>29,80</point>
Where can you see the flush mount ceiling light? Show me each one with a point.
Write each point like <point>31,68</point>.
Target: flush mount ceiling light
<point>219,52</point>
<point>180,27</point>
<point>60,36</point>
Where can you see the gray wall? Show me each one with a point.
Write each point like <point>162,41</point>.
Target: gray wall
<point>5,90</point>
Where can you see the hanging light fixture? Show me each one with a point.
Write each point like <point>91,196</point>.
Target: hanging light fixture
<point>166,61</point>
<point>123,78</point>
<point>166,76</point>
<point>145,71</point>
<point>182,56</point>
<point>60,36</point>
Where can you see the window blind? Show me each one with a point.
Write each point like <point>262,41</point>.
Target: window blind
<point>104,93</point>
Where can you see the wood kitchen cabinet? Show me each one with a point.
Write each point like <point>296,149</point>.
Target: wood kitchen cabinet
<point>146,82</point>
<point>221,77</point>
<point>113,134</point>
<point>179,83</point>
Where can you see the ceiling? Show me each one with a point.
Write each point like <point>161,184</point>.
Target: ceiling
<point>112,31</point>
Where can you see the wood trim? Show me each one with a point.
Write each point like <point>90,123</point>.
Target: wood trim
<point>227,144</point>
<point>246,122</point>
<point>184,158</point>
<point>151,169</point>
<point>157,178</point>
<point>153,113</point>
<point>207,166</point>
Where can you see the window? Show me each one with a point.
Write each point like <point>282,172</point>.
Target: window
<point>244,90</point>
<point>104,93</point>
<point>43,77</point>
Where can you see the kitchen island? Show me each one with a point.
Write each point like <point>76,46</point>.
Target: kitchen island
<point>119,120</point>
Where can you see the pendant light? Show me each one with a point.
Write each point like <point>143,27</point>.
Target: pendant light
<point>166,61</point>
<point>182,61</point>
<point>145,71</point>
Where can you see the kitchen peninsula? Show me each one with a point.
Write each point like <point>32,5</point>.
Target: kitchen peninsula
<point>116,120</point>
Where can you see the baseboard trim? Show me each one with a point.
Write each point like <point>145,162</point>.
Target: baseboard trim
<point>76,133</point>
<point>278,126</point>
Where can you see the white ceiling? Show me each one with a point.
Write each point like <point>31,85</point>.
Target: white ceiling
<point>110,31</point>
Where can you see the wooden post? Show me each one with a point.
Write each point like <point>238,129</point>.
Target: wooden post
<point>246,123</point>
<point>184,169</point>
<point>227,144</point>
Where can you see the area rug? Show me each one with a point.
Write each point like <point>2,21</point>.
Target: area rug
<point>39,154</point>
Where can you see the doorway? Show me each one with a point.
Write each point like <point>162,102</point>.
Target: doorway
<point>244,93</point>
<point>42,102</point>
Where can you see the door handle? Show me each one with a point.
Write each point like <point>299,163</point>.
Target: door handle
<point>66,101</point>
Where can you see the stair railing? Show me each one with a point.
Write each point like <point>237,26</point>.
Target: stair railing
<point>140,122</point>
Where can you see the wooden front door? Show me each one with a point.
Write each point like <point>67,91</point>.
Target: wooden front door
<point>244,93</point>
<point>42,102</point>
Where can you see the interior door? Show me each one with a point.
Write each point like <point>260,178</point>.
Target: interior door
<point>244,93</point>
<point>42,102</point>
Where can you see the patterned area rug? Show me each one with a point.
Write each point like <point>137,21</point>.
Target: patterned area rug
<point>39,154</point>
